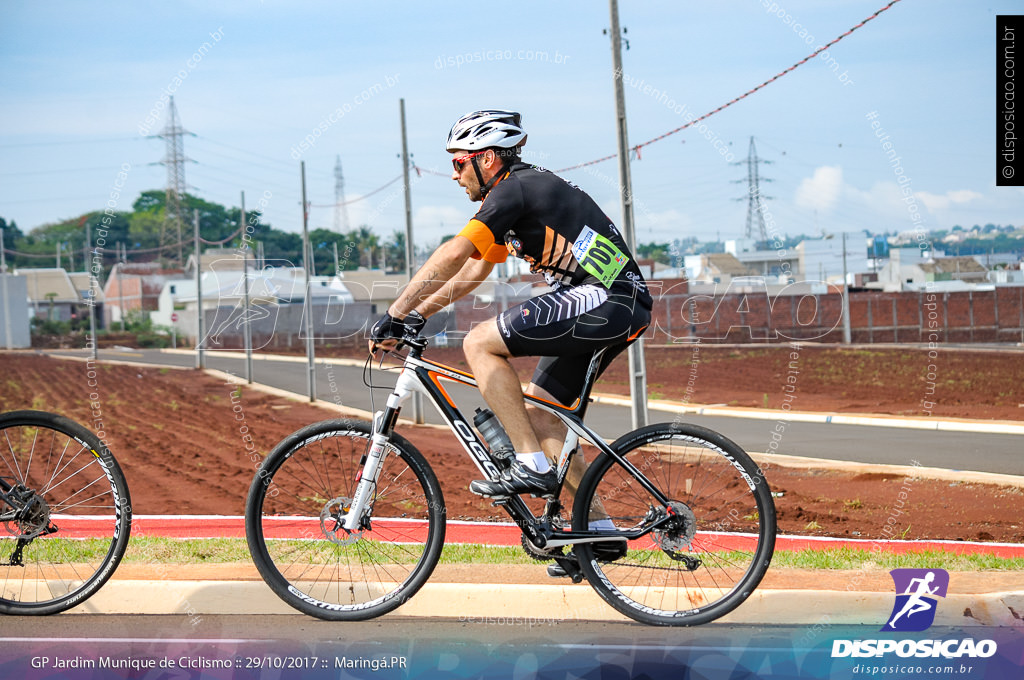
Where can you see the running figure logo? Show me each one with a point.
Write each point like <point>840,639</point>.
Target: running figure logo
<point>916,592</point>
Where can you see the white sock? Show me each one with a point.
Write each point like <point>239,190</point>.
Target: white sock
<point>605,523</point>
<point>537,462</point>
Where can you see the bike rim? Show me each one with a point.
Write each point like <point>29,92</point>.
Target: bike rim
<point>706,563</point>
<point>324,566</point>
<point>70,518</point>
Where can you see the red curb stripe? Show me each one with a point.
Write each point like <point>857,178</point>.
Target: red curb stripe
<point>487,533</point>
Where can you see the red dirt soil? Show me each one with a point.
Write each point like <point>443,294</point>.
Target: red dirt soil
<point>181,444</point>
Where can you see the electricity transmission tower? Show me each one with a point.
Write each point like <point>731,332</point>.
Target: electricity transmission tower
<point>755,200</point>
<point>174,160</point>
<point>340,209</point>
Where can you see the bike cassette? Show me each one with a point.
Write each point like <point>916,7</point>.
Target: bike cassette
<point>331,518</point>
<point>676,536</point>
<point>31,520</point>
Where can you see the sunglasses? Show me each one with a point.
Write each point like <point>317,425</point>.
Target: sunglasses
<point>460,162</point>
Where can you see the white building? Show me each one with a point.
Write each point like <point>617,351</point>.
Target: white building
<point>226,288</point>
<point>822,259</point>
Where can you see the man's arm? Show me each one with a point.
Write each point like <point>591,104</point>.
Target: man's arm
<point>469,277</point>
<point>446,262</point>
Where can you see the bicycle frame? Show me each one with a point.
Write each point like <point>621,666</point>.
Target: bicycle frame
<point>424,376</point>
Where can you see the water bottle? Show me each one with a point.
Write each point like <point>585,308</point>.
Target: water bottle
<point>494,434</point>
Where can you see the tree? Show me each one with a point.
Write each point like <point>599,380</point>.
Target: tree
<point>659,252</point>
<point>394,252</point>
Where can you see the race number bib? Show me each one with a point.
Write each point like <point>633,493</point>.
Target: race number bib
<point>599,256</point>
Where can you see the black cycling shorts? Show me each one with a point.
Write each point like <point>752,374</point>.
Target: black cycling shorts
<point>565,327</point>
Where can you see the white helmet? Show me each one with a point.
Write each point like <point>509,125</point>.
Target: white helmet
<point>494,128</point>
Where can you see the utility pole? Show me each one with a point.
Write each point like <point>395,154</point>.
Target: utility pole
<point>637,366</point>
<point>200,355</point>
<point>94,284</point>
<point>417,400</point>
<point>248,318</point>
<point>7,301</point>
<point>847,334</point>
<point>340,209</point>
<point>120,286</point>
<point>307,261</point>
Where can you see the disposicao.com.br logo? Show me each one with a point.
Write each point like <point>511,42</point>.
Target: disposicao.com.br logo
<point>914,611</point>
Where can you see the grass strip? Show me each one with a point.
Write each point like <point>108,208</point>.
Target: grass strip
<point>224,550</point>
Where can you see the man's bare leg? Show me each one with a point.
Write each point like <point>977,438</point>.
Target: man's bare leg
<point>488,360</point>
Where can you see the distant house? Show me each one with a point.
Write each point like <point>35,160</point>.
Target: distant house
<point>134,287</point>
<point>276,298</point>
<point>55,294</point>
<point>954,269</point>
<point>896,274</point>
<point>374,287</point>
<point>217,259</point>
<point>715,268</point>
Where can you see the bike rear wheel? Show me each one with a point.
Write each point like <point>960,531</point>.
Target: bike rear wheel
<point>718,534</point>
<point>292,523</point>
<point>65,513</point>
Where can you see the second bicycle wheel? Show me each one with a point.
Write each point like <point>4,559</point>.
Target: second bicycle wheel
<point>292,523</point>
<point>715,537</point>
<point>65,513</point>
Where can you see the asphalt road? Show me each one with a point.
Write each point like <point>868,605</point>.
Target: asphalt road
<point>980,452</point>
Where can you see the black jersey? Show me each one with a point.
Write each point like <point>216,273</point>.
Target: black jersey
<point>556,227</point>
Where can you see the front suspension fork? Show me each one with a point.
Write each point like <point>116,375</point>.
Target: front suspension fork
<point>383,425</point>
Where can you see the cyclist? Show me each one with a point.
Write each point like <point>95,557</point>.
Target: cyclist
<point>598,296</point>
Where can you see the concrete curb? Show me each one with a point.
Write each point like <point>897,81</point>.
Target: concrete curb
<point>546,604</point>
<point>828,418</point>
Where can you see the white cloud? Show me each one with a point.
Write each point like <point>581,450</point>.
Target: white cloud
<point>945,201</point>
<point>822,190</point>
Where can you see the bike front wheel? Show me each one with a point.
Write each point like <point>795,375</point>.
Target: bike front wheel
<point>292,522</point>
<point>711,543</point>
<point>65,513</point>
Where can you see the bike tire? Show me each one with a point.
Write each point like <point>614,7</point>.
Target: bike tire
<point>303,485</point>
<point>72,515</point>
<point>718,551</point>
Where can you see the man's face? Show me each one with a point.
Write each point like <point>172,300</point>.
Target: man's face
<point>463,173</point>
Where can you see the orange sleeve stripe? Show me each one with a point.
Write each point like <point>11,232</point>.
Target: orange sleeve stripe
<point>483,240</point>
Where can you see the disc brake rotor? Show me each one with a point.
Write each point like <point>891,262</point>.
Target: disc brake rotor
<point>31,520</point>
<point>331,517</point>
<point>677,536</point>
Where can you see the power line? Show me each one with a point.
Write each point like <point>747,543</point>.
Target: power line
<point>636,149</point>
<point>356,200</point>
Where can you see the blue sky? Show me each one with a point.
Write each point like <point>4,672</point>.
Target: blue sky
<point>78,81</point>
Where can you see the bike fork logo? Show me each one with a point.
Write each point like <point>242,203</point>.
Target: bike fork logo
<point>916,593</point>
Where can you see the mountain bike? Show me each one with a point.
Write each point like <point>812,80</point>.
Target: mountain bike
<point>345,519</point>
<point>65,513</point>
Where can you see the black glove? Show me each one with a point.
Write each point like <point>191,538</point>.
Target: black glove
<point>388,327</point>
